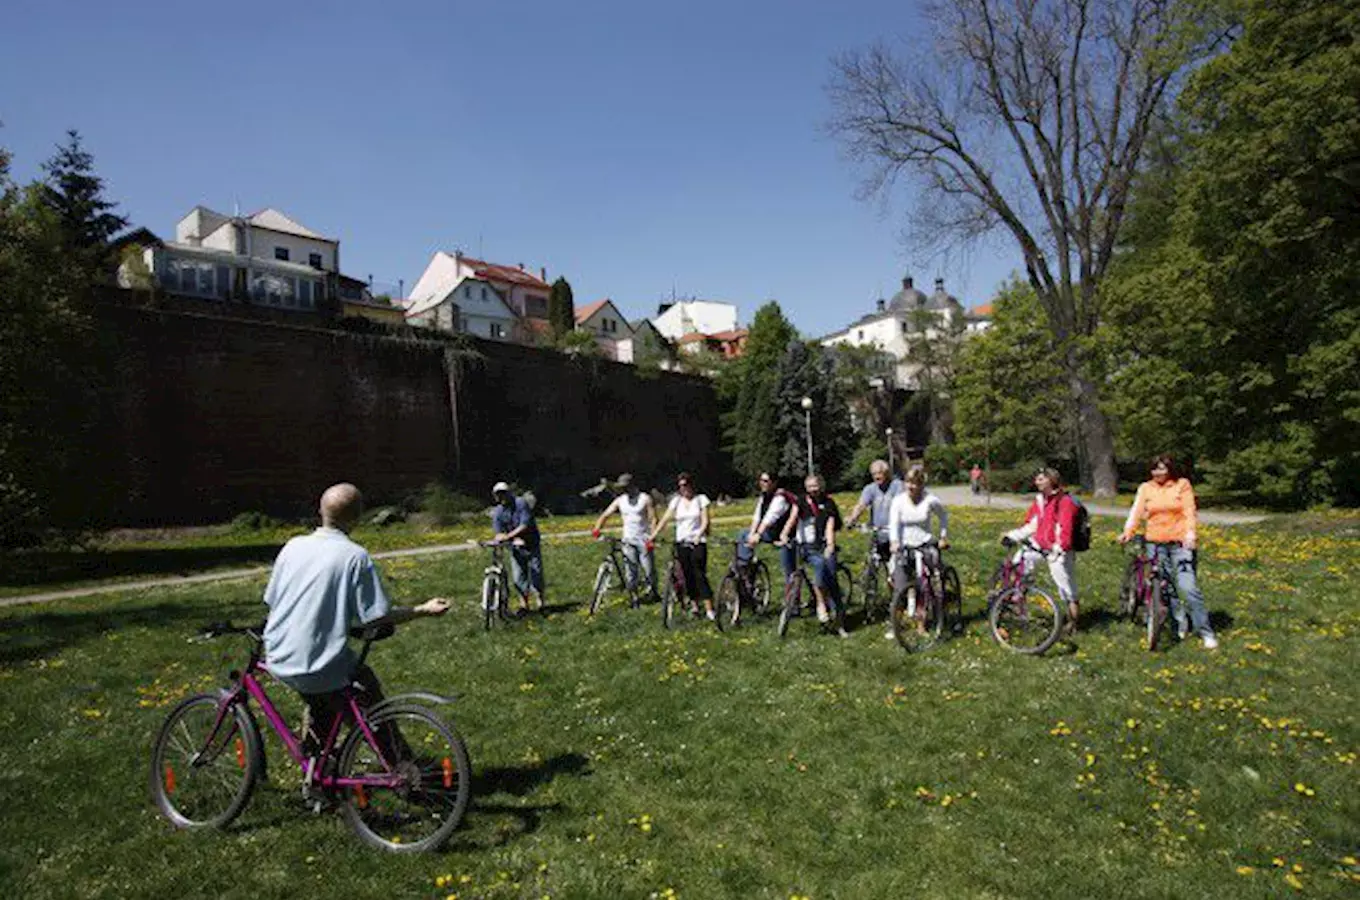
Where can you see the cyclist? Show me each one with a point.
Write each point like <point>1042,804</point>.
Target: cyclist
<point>690,511</point>
<point>322,584</point>
<point>638,515</point>
<point>818,519</point>
<point>773,508</point>
<point>909,531</point>
<point>512,520</point>
<point>1050,523</point>
<point>877,497</point>
<point>1168,505</point>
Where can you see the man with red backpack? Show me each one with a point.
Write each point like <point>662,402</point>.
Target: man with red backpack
<point>1057,524</point>
<point>773,508</point>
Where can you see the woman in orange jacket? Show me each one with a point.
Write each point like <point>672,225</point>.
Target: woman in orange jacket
<point>1168,505</point>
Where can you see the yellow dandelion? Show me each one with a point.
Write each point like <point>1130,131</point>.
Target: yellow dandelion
<point>1245,870</point>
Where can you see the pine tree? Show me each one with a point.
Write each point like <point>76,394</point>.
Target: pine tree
<point>73,191</point>
<point>561,309</point>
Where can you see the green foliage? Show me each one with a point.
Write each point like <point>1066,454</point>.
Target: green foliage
<point>749,389</point>
<point>75,194</point>
<point>809,370</point>
<point>934,348</point>
<point>947,464</point>
<point>136,274</point>
<point>1010,395</point>
<point>870,448</point>
<point>1283,472</point>
<point>444,506</point>
<point>561,309</point>
<point>252,521</point>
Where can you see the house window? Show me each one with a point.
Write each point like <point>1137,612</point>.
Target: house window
<point>304,293</point>
<point>861,335</point>
<point>496,329</point>
<point>314,260</point>
<point>185,276</point>
<point>281,253</point>
<point>273,290</point>
<point>224,282</point>
<point>483,292</point>
<point>905,329</point>
<point>535,306</point>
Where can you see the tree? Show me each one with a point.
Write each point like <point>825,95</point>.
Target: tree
<point>73,191</point>
<point>749,388</point>
<point>1009,402</point>
<point>1029,116</point>
<point>934,342</point>
<point>561,309</point>
<point>809,370</point>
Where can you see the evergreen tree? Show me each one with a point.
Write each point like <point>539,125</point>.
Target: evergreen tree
<point>561,309</point>
<point>809,370</point>
<point>749,388</point>
<point>73,191</point>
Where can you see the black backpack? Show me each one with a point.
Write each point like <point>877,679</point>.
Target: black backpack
<point>1081,527</point>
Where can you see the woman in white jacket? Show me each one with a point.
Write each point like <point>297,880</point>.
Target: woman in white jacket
<point>909,535</point>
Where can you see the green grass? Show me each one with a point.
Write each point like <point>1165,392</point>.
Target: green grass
<point>812,767</point>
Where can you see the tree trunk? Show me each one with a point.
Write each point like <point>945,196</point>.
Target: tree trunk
<point>1096,436</point>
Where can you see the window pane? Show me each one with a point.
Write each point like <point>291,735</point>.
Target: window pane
<point>281,253</point>
<point>304,293</point>
<point>223,282</point>
<point>314,260</point>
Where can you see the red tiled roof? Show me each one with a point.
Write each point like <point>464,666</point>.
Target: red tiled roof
<point>586,312</point>
<point>734,335</point>
<point>691,338</point>
<point>497,272</point>
<point>983,310</point>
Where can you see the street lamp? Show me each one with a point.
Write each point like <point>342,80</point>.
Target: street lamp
<point>890,453</point>
<point>807,423</point>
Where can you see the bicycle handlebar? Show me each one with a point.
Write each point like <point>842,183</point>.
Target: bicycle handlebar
<point>214,630</point>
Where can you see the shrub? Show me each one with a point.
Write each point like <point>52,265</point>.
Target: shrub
<point>255,521</point>
<point>387,515</point>
<point>946,464</point>
<point>444,506</point>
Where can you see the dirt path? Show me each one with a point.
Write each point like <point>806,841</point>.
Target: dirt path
<point>960,495</point>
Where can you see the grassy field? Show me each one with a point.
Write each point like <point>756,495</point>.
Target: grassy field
<point>616,760</point>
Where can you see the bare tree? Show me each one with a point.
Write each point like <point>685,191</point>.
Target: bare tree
<point>1029,116</point>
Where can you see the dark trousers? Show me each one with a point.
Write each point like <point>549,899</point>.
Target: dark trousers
<point>694,563</point>
<point>324,709</point>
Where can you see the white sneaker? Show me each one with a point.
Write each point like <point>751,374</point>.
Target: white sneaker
<point>823,617</point>
<point>712,616</point>
<point>1210,642</point>
<point>889,636</point>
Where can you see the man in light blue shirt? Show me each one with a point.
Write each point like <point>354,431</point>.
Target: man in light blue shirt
<point>877,498</point>
<point>322,584</point>
<point>512,520</point>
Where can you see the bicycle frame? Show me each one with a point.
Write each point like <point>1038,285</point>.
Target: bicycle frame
<point>919,561</point>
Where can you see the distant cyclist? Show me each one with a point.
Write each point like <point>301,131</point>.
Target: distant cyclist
<point>909,530</point>
<point>818,520</point>
<point>773,508</point>
<point>1168,505</point>
<point>690,511</point>
<point>877,497</point>
<point>638,514</point>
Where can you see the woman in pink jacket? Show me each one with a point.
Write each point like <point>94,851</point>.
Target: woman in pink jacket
<point>1050,524</point>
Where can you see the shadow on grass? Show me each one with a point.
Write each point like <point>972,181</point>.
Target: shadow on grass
<point>521,781</point>
<point>34,569</point>
<point>26,637</point>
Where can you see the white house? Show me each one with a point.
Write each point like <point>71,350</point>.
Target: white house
<point>473,306</point>
<point>525,293</point>
<point>609,326</point>
<point>894,322</point>
<point>675,320</point>
<point>646,343</point>
<point>266,258</point>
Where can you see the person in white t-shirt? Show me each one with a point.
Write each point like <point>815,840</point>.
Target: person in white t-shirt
<point>690,511</point>
<point>638,515</point>
<point>909,535</point>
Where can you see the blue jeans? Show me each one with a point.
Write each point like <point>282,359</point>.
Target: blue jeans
<point>637,559</point>
<point>1176,561</point>
<point>824,572</point>
<point>526,563</point>
<point>788,557</point>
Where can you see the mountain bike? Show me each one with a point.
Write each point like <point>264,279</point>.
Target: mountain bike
<point>1144,590</point>
<point>875,580</point>
<point>613,570</point>
<point>746,585</point>
<point>495,586</point>
<point>675,592</point>
<point>933,597</point>
<point>1022,616</point>
<point>400,777</point>
<point>799,595</point>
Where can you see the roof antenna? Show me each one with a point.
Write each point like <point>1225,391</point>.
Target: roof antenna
<point>235,206</point>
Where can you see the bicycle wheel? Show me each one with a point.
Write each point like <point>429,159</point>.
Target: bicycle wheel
<point>916,618</point>
<point>602,578</point>
<point>491,588</point>
<point>868,586</point>
<point>201,785</point>
<point>793,599</point>
<point>996,582</point>
<point>761,592</point>
<point>435,782</point>
<point>1128,591</point>
<point>845,580</point>
<point>669,598</point>
<point>1155,616</point>
<point>1025,620</point>
<point>727,602</point>
<point>953,599</point>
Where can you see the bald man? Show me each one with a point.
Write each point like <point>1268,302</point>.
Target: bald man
<point>322,584</point>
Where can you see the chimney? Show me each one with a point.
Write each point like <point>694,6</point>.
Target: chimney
<point>521,267</point>
<point>939,285</point>
<point>881,304</point>
<point>662,307</point>
<point>543,274</point>
<point>906,283</point>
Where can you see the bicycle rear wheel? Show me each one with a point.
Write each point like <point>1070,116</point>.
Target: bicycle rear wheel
<point>727,602</point>
<point>793,601</point>
<point>761,592</point>
<point>916,618</point>
<point>669,598</point>
<point>1025,620</point>
<point>1128,591</point>
<point>868,586</point>
<point>953,599</point>
<point>491,600</point>
<point>200,785</point>
<point>1156,615</point>
<point>845,580</point>
<point>435,780</point>
<point>602,577</point>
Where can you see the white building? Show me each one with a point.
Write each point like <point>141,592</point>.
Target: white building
<point>525,293</point>
<point>473,306</point>
<point>610,328</point>
<point>890,327</point>
<point>675,320</point>
<point>266,258</point>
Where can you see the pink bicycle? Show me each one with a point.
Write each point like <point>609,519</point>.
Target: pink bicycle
<point>400,777</point>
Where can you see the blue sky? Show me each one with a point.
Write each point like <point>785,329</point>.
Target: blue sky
<point>637,148</point>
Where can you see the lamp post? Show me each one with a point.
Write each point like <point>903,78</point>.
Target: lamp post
<point>807,424</point>
<point>890,453</point>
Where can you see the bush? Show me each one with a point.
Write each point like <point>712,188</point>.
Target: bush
<point>255,521</point>
<point>387,515</point>
<point>947,464</point>
<point>444,506</point>
<point>1282,474</point>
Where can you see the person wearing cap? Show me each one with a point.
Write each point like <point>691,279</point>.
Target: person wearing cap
<point>638,514</point>
<point>512,519</point>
